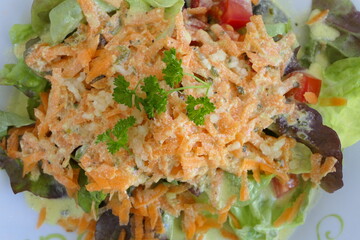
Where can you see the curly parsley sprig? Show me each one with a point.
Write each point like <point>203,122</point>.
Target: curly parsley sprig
<point>117,137</point>
<point>173,73</point>
<point>156,97</point>
<point>155,101</point>
<point>198,108</point>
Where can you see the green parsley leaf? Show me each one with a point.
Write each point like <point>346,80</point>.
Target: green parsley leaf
<point>121,93</point>
<point>117,137</point>
<point>173,71</point>
<point>198,108</point>
<point>156,97</point>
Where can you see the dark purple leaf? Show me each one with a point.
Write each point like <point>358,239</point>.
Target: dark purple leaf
<point>309,130</point>
<point>108,227</point>
<point>270,12</point>
<point>45,186</point>
<point>344,17</point>
<point>195,191</point>
<point>349,22</point>
<point>293,64</point>
<point>337,7</point>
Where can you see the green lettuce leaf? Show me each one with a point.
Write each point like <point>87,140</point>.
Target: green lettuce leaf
<point>346,45</point>
<point>258,216</point>
<point>172,11</point>
<point>64,19</point>
<point>43,186</point>
<point>85,198</point>
<point>8,119</point>
<point>231,186</point>
<point>161,3</point>
<point>172,7</point>
<point>53,20</point>
<point>138,6</point>
<point>40,10</point>
<point>300,161</point>
<point>342,79</point>
<point>26,80</point>
<point>105,6</point>
<point>255,216</point>
<point>276,29</point>
<point>20,33</point>
<point>23,78</point>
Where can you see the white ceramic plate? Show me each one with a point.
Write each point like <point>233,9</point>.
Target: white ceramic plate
<point>18,221</point>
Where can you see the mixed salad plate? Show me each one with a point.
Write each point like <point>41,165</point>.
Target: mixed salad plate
<point>172,119</point>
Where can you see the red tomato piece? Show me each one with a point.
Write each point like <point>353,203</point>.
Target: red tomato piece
<point>308,84</point>
<point>236,13</point>
<point>280,189</point>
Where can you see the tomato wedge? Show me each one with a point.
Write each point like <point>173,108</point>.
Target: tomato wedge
<point>236,13</point>
<point>308,85</point>
<point>280,189</point>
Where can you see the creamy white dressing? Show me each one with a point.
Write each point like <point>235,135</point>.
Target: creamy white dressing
<point>318,67</point>
<point>55,208</point>
<point>320,31</point>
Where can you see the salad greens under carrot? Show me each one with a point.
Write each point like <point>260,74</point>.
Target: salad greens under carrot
<point>181,120</point>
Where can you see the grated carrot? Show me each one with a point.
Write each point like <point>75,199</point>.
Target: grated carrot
<point>70,224</point>
<point>149,195</point>
<point>122,235</point>
<point>90,11</point>
<point>159,228</point>
<point>234,220</point>
<point>290,213</point>
<point>30,161</point>
<point>333,101</point>
<point>197,11</point>
<point>311,97</point>
<point>83,224</point>
<point>328,166</point>
<point>228,235</point>
<point>91,230</point>
<point>149,233</point>
<point>188,222</point>
<point>153,214</point>
<point>89,236</point>
<point>42,217</point>
<point>244,190</point>
<point>223,213</point>
<point>318,17</point>
<point>208,224</point>
<point>139,227</point>
<point>100,65</point>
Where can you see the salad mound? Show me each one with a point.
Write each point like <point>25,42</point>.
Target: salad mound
<point>172,122</point>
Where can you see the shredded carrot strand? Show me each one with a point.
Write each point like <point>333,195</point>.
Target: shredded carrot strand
<point>42,217</point>
<point>139,227</point>
<point>122,235</point>
<point>244,190</point>
<point>318,17</point>
<point>311,97</point>
<point>290,213</point>
<point>234,220</point>
<point>333,101</point>
<point>228,235</point>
